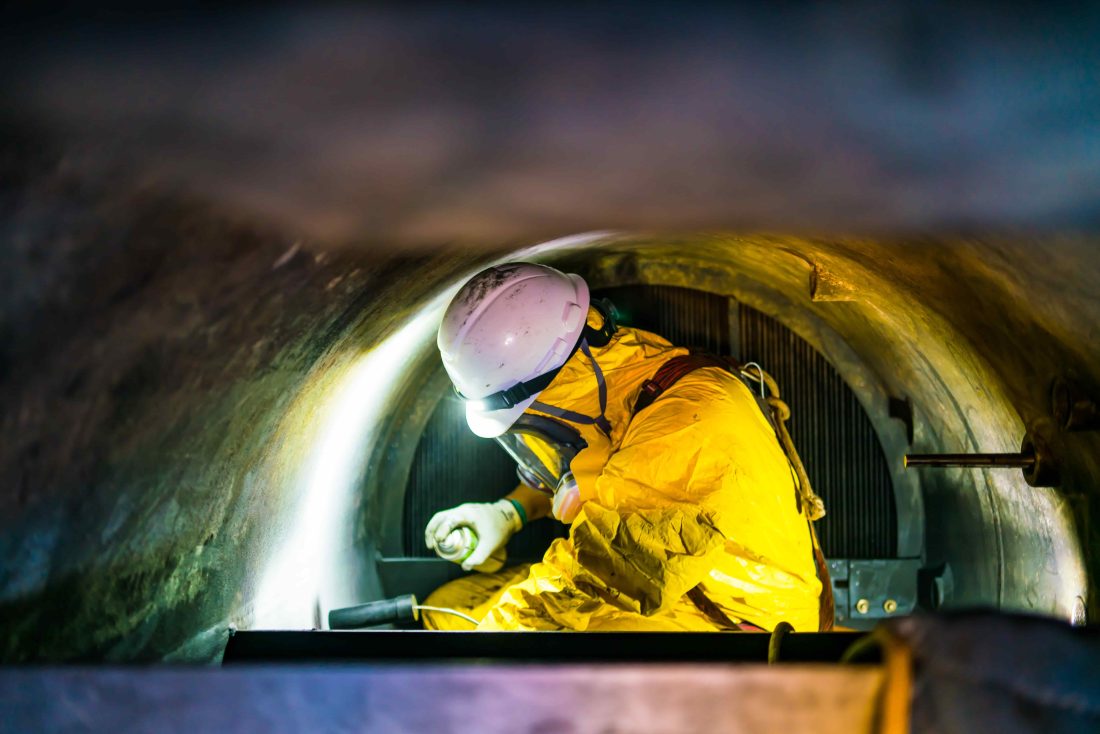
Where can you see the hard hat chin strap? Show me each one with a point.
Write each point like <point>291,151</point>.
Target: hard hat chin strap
<point>600,421</point>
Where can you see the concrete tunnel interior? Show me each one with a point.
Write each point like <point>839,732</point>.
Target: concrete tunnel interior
<point>274,511</point>
<point>209,421</point>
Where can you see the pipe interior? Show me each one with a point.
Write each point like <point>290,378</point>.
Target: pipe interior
<point>226,244</point>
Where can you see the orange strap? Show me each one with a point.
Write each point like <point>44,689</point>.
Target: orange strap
<point>715,614</point>
<point>826,605</point>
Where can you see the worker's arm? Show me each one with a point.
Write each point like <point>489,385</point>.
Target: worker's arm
<point>535,503</point>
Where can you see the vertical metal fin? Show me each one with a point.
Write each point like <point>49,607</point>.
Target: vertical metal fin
<point>452,466</point>
<point>835,439</point>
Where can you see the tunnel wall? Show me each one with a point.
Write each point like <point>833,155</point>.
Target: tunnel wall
<point>171,373</point>
<point>160,368</point>
<point>913,320</point>
<point>933,322</point>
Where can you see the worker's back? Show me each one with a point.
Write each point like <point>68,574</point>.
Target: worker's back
<point>695,490</point>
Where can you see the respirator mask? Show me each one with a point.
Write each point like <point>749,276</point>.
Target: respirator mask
<point>543,449</point>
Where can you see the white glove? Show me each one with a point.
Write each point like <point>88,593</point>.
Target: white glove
<point>493,522</point>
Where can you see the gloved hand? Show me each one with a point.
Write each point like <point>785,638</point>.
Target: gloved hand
<point>493,522</point>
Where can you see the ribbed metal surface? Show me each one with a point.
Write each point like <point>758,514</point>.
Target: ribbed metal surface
<point>453,466</point>
<point>834,438</point>
<point>685,317</point>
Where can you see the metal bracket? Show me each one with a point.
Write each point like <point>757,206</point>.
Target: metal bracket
<point>1072,407</point>
<point>901,409</point>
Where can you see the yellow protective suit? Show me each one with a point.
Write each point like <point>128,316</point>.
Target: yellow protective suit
<point>694,489</point>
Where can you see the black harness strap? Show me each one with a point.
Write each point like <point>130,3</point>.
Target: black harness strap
<point>674,369</point>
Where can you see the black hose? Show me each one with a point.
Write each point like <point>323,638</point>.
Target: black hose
<point>776,640</point>
<point>384,611</point>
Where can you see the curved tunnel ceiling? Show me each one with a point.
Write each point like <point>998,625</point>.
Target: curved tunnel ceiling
<point>195,371</point>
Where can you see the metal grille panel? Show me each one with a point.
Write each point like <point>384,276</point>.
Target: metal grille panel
<point>453,466</point>
<point>834,436</point>
<point>835,440</point>
<point>685,317</point>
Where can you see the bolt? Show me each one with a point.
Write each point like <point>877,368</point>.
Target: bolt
<point>863,606</point>
<point>889,606</point>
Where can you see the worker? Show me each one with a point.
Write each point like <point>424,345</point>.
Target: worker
<point>684,512</point>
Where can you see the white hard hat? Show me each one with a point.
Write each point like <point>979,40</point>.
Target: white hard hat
<point>505,335</point>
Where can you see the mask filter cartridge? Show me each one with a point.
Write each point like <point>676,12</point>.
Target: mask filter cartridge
<point>567,499</point>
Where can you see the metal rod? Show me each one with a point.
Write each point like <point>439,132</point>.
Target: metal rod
<point>996,461</point>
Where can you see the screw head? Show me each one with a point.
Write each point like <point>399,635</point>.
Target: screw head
<point>889,606</point>
<point>863,606</point>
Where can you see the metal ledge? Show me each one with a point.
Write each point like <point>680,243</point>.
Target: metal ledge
<point>530,647</point>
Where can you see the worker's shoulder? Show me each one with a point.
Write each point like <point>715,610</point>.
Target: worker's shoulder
<point>713,388</point>
<point>706,396</point>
